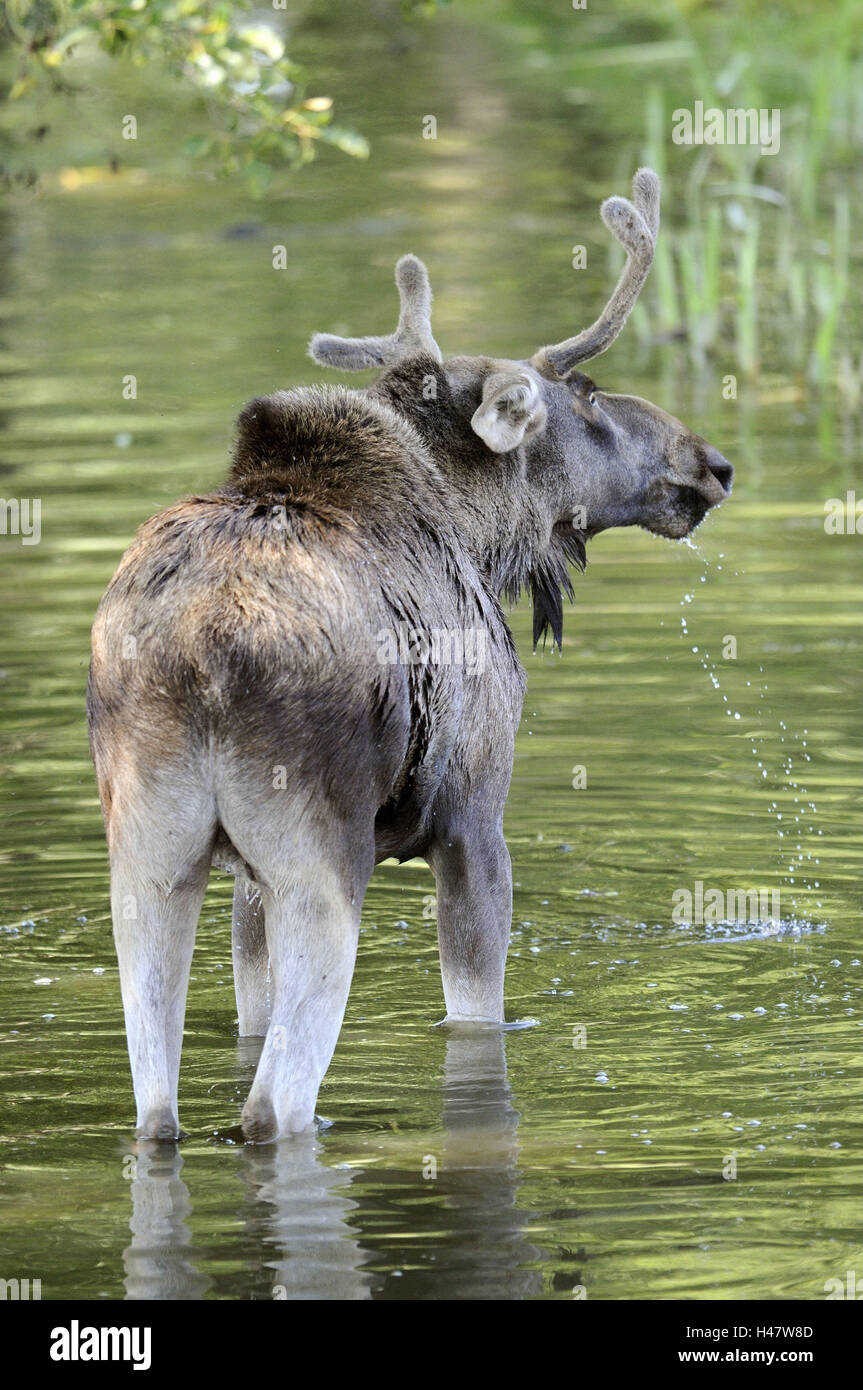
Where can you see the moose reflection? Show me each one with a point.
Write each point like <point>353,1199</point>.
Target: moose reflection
<point>308,1230</point>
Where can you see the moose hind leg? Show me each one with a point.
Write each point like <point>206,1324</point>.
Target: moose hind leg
<point>312,925</point>
<point>251,959</point>
<point>155,917</point>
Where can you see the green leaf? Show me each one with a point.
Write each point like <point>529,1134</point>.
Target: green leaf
<point>348,141</point>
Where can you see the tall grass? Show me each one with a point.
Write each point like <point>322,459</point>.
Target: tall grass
<point>765,243</point>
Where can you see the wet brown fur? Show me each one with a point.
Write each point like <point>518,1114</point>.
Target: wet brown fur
<point>254,611</point>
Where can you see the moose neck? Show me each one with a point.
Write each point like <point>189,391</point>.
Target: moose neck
<point>505,506</point>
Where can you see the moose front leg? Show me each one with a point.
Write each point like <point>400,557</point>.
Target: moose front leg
<point>474,913</point>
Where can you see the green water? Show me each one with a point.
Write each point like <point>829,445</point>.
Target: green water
<point>524,1165</point>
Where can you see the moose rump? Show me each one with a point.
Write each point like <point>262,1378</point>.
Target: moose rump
<point>240,714</point>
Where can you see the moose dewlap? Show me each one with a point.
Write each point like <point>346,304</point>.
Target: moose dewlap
<point>241,711</point>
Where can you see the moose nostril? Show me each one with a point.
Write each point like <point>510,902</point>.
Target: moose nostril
<point>722,471</point>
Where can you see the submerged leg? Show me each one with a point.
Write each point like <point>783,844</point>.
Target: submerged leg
<point>251,959</point>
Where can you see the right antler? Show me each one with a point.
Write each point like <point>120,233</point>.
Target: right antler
<point>413,333</point>
<point>635,225</point>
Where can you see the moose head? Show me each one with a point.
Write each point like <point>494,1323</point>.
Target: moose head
<point>582,459</point>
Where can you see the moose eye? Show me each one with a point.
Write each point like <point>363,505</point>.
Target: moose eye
<point>591,400</point>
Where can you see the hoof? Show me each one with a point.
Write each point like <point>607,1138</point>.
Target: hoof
<point>259,1123</point>
<point>160,1124</point>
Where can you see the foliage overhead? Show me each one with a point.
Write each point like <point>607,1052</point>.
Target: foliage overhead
<point>260,116</point>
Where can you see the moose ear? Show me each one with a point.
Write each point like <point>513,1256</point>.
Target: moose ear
<point>512,410</point>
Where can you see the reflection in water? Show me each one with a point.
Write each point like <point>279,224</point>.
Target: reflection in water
<point>158,1261</point>
<point>483,1252</point>
<point>298,1223</point>
<point>296,1204</point>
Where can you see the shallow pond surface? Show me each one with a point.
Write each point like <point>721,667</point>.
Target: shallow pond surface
<point>684,1120</point>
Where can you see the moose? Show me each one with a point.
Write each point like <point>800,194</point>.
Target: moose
<point>244,712</point>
